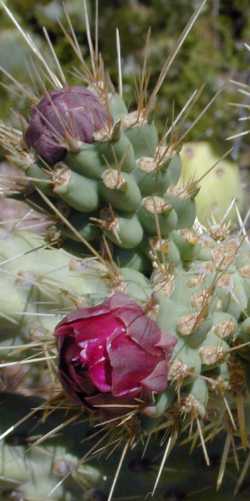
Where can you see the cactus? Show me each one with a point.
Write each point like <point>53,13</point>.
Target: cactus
<point>117,223</point>
<point>217,189</point>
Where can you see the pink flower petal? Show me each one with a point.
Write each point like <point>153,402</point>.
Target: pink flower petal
<point>130,365</point>
<point>71,373</point>
<point>167,343</point>
<point>83,313</point>
<point>144,331</point>
<point>97,328</point>
<point>157,379</point>
<point>94,354</point>
<point>110,304</point>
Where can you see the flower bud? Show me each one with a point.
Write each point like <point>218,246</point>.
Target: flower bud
<point>112,351</point>
<point>70,113</point>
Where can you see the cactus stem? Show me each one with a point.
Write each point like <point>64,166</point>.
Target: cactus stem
<point>13,258</point>
<point>225,155</point>
<point>114,180</point>
<point>67,223</point>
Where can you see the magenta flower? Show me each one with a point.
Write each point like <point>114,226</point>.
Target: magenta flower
<point>72,111</point>
<point>112,350</point>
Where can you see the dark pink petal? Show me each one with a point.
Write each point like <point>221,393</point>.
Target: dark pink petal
<point>97,328</point>
<point>157,379</point>
<point>141,329</point>
<point>130,365</point>
<point>94,355</point>
<point>88,312</point>
<point>63,330</point>
<point>167,343</point>
<point>116,301</point>
<point>97,374</point>
<point>69,354</point>
<point>69,351</point>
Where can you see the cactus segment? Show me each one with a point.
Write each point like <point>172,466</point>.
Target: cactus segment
<point>81,222</point>
<point>77,191</point>
<point>36,172</point>
<point>120,190</point>
<point>86,161</point>
<point>219,188</point>
<point>184,205</point>
<point>125,231</point>
<point>117,106</point>
<point>135,260</point>
<point>118,152</point>
<point>144,139</point>
<point>154,177</point>
<point>156,215</point>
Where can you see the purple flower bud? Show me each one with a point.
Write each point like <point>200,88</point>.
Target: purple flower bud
<point>112,351</point>
<point>73,112</point>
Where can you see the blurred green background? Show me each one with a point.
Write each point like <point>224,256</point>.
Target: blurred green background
<point>213,54</point>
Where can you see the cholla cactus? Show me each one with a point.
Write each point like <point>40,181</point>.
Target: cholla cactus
<point>146,324</point>
<point>217,189</point>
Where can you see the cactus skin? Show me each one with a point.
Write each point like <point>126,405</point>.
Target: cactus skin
<point>126,184</point>
<point>218,189</point>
